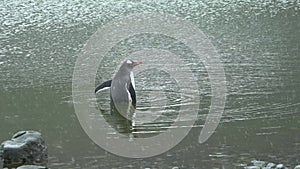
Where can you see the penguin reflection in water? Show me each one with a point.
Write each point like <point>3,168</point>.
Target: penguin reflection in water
<point>122,90</point>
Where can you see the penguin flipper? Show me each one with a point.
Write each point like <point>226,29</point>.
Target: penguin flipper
<point>103,86</point>
<point>132,94</point>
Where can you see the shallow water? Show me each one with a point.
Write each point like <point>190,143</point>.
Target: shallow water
<point>259,46</point>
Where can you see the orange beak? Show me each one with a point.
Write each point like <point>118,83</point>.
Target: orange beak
<point>137,63</point>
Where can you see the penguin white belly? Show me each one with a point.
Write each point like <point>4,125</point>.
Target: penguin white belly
<point>128,93</point>
<point>132,80</point>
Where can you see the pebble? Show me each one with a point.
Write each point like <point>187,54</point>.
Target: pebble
<point>252,167</point>
<point>280,166</point>
<point>32,167</point>
<point>270,166</point>
<point>258,163</point>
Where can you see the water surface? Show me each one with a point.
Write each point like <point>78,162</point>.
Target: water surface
<point>259,46</point>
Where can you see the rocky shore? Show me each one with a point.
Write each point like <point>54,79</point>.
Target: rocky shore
<point>256,164</point>
<point>27,150</point>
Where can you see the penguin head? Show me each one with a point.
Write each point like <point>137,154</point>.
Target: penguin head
<point>130,63</point>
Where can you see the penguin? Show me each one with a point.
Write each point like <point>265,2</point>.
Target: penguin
<point>122,85</point>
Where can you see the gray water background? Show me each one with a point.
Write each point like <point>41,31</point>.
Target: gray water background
<point>259,46</point>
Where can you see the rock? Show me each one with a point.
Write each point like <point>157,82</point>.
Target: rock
<point>280,166</point>
<point>1,163</point>
<point>25,148</point>
<point>297,167</point>
<point>239,166</point>
<point>252,167</point>
<point>270,166</point>
<point>258,163</point>
<point>31,167</point>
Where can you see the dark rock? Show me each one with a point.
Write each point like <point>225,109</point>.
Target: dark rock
<point>25,148</point>
<point>1,163</point>
<point>31,167</point>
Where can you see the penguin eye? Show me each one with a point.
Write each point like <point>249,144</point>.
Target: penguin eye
<point>129,62</point>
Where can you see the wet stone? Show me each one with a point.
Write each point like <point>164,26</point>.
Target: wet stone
<point>270,165</point>
<point>280,166</point>
<point>252,167</point>
<point>258,163</point>
<point>32,167</point>
<point>240,166</point>
<point>1,163</point>
<point>24,148</point>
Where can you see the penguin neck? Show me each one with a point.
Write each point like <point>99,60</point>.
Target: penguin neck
<point>124,76</point>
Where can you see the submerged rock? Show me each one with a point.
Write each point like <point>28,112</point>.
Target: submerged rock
<point>24,148</point>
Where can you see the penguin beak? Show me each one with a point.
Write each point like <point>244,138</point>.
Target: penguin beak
<point>137,63</point>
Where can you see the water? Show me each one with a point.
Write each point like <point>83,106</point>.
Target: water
<point>259,46</point>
